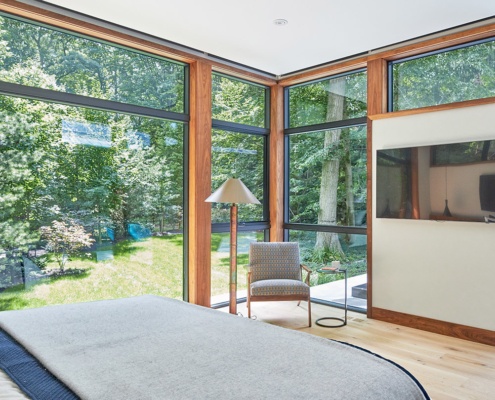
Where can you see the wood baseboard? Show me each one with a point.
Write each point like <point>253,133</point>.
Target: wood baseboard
<point>432,325</point>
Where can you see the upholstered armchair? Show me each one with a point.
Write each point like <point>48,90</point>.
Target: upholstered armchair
<point>275,274</point>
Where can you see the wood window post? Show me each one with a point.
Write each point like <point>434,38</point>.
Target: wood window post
<point>199,257</point>
<point>276,164</point>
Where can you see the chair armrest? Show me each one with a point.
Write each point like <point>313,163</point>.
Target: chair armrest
<point>308,270</point>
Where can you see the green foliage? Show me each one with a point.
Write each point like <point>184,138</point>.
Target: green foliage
<point>86,67</point>
<point>316,258</point>
<point>237,101</point>
<point>309,103</point>
<point>242,156</point>
<point>102,168</point>
<point>65,239</point>
<point>235,154</point>
<point>456,75</point>
<point>19,158</point>
<point>62,163</point>
<point>307,154</point>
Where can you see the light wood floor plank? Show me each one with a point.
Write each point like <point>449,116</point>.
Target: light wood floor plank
<point>448,368</point>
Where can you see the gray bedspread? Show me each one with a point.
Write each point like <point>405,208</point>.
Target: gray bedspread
<point>156,348</point>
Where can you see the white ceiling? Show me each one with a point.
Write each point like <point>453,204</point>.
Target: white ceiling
<point>319,31</point>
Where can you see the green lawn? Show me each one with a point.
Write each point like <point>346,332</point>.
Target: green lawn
<point>220,260</point>
<point>151,266</point>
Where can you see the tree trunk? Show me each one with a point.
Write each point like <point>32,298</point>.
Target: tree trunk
<point>350,219</point>
<point>330,169</point>
<point>350,216</point>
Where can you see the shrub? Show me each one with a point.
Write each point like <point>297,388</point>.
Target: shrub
<point>65,238</point>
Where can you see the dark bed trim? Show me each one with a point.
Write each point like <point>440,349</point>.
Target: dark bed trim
<point>29,374</point>
<point>420,386</point>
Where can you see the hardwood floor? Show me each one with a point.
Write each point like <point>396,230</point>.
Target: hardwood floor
<point>448,368</point>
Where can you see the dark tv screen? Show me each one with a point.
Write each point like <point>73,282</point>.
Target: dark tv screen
<point>439,182</point>
<point>487,192</point>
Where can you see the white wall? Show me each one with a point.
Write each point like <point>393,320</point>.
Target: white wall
<point>440,270</point>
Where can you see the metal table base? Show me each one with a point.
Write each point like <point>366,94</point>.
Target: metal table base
<point>343,321</point>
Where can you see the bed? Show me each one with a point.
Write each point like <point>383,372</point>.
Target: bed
<point>150,347</point>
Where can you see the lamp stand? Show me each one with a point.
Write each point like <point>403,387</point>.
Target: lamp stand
<point>233,259</point>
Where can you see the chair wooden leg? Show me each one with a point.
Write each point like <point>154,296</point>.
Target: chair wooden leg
<point>309,311</point>
<point>248,302</point>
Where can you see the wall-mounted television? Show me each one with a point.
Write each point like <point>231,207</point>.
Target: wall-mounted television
<point>487,192</point>
<point>453,181</point>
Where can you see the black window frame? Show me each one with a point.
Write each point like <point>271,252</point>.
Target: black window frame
<point>235,127</point>
<point>345,123</point>
<point>288,132</point>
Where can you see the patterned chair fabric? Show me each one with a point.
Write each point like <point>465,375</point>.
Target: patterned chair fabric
<point>274,261</point>
<point>279,287</point>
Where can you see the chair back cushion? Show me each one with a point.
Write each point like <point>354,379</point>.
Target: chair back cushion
<point>274,260</point>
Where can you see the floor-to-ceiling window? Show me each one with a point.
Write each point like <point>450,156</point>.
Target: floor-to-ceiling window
<point>91,169</point>
<point>239,149</point>
<point>325,184</point>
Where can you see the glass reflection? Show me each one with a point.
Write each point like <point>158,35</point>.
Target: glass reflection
<point>220,263</point>
<point>240,155</point>
<point>328,100</point>
<point>327,177</point>
<point>353,257</point>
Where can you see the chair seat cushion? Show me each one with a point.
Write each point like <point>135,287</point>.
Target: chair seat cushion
<point>279,287</point>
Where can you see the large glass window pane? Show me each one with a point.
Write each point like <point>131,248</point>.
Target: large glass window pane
<point>239,148</point>
<point>91,204</point>
<point>453,75</point>
<point>327,177</point>
<point>333,99</point>
<point>238,101</point>
<point>242,156</point>
<point>220,263</point>
<point>330,287</point>
<point>47,58</point>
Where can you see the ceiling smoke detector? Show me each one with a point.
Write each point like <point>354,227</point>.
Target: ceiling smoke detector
<point>280,22</point>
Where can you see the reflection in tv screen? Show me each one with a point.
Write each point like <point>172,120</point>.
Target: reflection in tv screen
<point>440,182</point>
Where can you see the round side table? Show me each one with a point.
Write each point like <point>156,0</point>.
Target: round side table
<point>341,321</point>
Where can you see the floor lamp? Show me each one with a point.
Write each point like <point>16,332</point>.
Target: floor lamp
<point>235,192</point>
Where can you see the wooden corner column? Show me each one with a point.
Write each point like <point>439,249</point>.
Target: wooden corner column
<point>276,165</point>
<point>199,277</point>
<point>377,104</point>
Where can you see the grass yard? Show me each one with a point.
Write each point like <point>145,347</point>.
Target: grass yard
<point>151,266</point>
<point>220,260</point>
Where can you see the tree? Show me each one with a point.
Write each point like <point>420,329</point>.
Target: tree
<point>330,168</point>
<point>111,181</point>
<point>64,239</point>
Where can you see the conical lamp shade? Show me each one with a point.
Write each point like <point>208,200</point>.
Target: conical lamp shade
<point>233,191</point>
